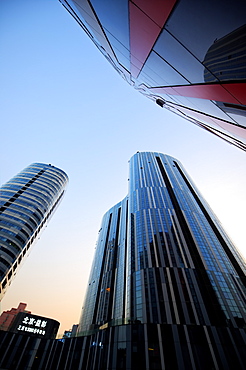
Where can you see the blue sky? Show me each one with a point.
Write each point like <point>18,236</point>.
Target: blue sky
<point>62,103</point>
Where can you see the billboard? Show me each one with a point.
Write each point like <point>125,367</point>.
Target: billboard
<point>35,326</point>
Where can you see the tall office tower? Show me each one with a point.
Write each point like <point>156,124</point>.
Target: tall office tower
<point>188,56</point>
<point>26,203</point>
<point>167,286</point>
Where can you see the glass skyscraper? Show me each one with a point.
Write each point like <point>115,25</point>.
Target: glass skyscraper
<point>27,202</point>
<point>166,290</point>
<point>164,264</point>
<point>188,56</point>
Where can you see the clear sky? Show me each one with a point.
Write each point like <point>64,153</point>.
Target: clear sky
<point>62,103</point>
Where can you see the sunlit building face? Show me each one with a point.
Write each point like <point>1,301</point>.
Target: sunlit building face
<point>166,289</point>
<point>163,262</point>
<point>27,202</point>
<point>188,56</point>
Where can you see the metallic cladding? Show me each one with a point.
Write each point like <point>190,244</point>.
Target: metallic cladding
<point>189,55</point>
<point>162,256</point>
<point>166,289</point>
<point>26,203</point>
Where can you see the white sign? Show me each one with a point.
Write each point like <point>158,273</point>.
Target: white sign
<point>32,325</point>
<point>31,330</point>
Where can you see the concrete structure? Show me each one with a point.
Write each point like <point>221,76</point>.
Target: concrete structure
<point>7,317</point>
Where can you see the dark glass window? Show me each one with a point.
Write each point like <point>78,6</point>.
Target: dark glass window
<point>115,21</point>
<point>122,53</point>
<point>8,252</point>
<point>156,72</point>
<point>198,24</point>
<point>232,108</point>
<point>116,25</point>
<point>180,58</point>
<point>226,58</point>
<point>6,263</point>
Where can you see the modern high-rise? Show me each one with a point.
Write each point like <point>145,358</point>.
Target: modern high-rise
<point>166,290</point>
<point>164,264</point>
<point>27,202</point>
<point>188,56</point>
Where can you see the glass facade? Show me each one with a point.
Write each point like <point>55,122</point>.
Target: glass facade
<point>162,256</point>
<point>166,290</point>
<point>133,346</point>
<point>188,56</point>
<point>26,203</point>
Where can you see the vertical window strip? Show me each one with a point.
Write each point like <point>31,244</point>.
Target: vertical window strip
<point>229,253</point>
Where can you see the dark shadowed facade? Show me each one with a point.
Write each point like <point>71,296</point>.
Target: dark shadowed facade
<point>188,56</point>
<point>167,286</point>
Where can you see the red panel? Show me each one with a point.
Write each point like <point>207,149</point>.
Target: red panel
<point>164,90</point>
<point>143,33</point>
<point>206,91</point>
<point>213,121</point>
<point>157,10</point>
<point>200,117</point>
<point>144,30</point>
<point>238,90</point>
<point>239,131</point>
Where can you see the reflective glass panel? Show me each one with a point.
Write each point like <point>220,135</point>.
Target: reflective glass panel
<point>180,58</point>
<point>197,24</point>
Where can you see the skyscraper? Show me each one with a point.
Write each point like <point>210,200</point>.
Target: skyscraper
<point>166,290</point>
<point>188,56</point>
<point>166,280</point>
<point>27,202</point>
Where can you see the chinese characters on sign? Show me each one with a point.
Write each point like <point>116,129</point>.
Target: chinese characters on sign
<point>38,326</point>
<point>32,325</point>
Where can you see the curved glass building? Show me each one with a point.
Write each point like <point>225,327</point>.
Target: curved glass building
<point>188,56</point>
<point>26,203</point>
<point>166,290</point>
<point>165,269</point>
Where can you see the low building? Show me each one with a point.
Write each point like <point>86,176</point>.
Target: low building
<point>7,317</point>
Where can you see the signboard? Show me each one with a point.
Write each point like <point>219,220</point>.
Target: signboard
<point>33,325</point>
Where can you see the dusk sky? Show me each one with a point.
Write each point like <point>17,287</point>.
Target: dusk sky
<point>62,103</point>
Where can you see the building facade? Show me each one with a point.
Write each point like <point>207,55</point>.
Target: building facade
<point>34,326</point>
<point>188,56</point>
<point>164,264</point>
<point>8,317</point>
<point>157,250</point>
<point>27,202</point>
<point>166,290</point>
